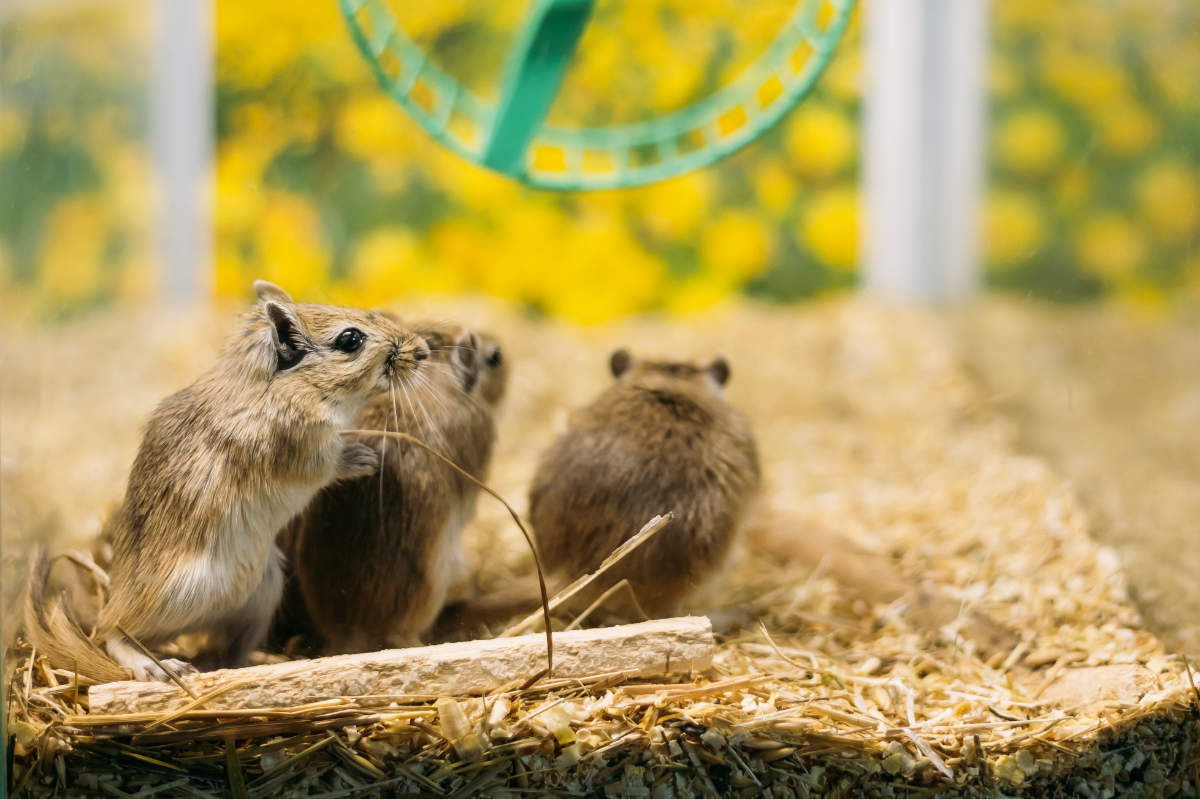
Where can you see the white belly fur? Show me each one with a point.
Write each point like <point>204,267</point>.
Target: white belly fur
<point>208,587</point>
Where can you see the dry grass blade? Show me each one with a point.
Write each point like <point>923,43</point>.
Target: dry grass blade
<point>195,704</point>
<point>537,560</point>
<point>611,591</point>
<point>620,553</point>
<point>170,674</point>
<point>233,766</point>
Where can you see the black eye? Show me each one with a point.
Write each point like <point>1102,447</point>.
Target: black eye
<point>350,340</point>
<point>493,360</point>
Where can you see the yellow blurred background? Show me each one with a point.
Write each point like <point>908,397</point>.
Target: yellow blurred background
<point>324,185</point>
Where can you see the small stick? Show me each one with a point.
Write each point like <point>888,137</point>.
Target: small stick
<point>617,555</point>
<point>537,560</point>
<point>608,594</point>
<point>172,675</point>
<point>1187,668</point>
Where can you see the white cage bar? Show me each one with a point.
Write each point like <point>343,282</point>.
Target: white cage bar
<point>924,113</point>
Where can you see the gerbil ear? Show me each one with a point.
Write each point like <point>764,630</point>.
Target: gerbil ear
<point>719,371</point>
<point>286,336</point>
<point>620,361</point>
<point>269,291</point>
<point>466,359</point>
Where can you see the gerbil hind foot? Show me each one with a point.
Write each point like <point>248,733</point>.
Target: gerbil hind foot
<point>143,666</point>
<point>357,460</point>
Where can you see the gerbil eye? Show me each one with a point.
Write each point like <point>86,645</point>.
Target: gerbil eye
<point>350,340</point>
<point>493,360</point>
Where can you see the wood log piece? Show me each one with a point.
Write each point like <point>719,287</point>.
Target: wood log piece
<point>663,646</point>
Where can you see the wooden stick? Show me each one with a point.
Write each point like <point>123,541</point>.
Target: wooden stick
<point>664,646</point>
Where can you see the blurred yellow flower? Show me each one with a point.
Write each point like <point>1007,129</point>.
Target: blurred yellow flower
<point>699,291</point>
<point>258,41</point>
<point>462,246</point>
<point>478,188</point>
<point>1146,299</point>
<point>820,141</point>
<point>737,243</point>
<point>1087,81</point>
<point>1126,128</point>
<point>774,187</point>
<point>602,273</point>
<point>1013,228</point>
<point>673,209</point>
<point>291,251</point>
<point>1110,247</point>
<point>843,78</point>
<point>374,126</point>
<point>675,87</point>
<point>1030,141</point>
<point>393,262</point>
<point>1073,189</point>
<point>72,254</point>
<point>238,184</point>
<point>529,243</point>
<point>232,272</point>
<point>130,187</point>
<point>428,20</point>
<point>256,120</point>
<point>829,228</point>
<point>1168,195</point>
<point>598,58</point>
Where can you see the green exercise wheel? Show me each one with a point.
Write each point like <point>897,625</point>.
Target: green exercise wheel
<point>511,137</point>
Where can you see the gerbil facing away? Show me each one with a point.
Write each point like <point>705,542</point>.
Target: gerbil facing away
<point>222,466</point>
<point>374,557</point>
<point>661,438</point>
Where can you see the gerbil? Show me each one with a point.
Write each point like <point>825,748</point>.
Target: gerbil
<point>374,557</point>
<point>660,438</point>
<point>222,466</point>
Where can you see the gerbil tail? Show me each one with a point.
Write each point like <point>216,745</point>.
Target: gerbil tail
<point>872,577</point>
<point>54,632</point>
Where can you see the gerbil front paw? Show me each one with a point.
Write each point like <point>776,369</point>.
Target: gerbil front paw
<point>357,460</point>
<point>149,671</point>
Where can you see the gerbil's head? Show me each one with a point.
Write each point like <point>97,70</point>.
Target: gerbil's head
<point>339,352</point>
<point>475,359</point>
<point>624,366</point>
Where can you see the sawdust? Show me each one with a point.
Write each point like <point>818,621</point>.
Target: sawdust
<point>869,425</point>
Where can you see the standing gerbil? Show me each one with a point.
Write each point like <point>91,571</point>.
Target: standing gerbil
<point>661,438</point>
<point>222,466</point>
<point>374,557</point>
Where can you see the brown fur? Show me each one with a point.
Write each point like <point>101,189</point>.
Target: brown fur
<point>661,438</point>
<point>374,557</point>
<point>223,464</point>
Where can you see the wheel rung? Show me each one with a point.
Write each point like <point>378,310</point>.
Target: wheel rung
<point>407,79</point>
<point>445,107</point>
<point>381,34</point>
